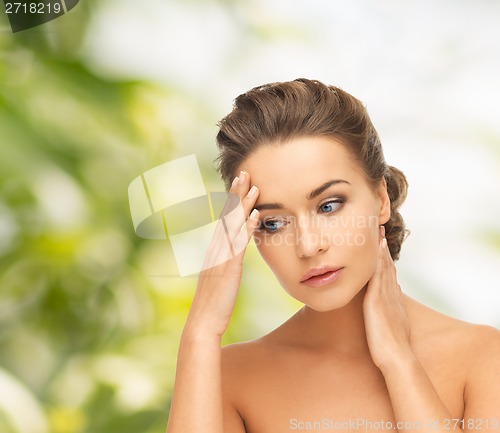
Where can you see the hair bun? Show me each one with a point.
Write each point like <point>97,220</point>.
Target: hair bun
<point>395,229</point>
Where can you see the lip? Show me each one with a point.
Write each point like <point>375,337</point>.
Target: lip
<point>322,276</point>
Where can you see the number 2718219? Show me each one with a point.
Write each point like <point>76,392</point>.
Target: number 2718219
<point>32,8</point>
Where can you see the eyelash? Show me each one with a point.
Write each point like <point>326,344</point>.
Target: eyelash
<point>338,201</point>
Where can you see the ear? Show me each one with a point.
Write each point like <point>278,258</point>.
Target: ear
<point>385,202</point>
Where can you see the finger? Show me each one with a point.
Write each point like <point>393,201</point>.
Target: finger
<point>241,184</point>
<point>241,241</point>
<point>381,262</point>
<point>238,211</point>
<point>240,238</point>
<point>229,239</point>
<point>390,284</point>
<point>389,263</point>
<point>252,223</point>
<point>232,214</point>
<point>237,216</point>
<point>219,250</point>
<point>245,192</point>
<point>378,279</point>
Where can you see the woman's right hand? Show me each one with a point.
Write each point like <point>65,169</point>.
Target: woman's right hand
<point>219,282</point>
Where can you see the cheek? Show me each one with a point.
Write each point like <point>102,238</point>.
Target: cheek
<point>268,247</point>
<point>358,230</point>
<point>363,249</point>
<point>277,251</point>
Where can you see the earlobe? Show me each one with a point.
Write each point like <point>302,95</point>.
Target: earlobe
<point>385,202</point>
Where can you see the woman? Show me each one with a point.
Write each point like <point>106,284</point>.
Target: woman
<point>322,207</point>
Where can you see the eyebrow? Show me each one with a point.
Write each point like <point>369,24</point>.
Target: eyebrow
<point>314,193</point>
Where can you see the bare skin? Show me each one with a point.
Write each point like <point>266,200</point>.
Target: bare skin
<point>359,350</point>
<point>287,376</point>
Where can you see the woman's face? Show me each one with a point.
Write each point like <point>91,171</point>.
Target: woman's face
<point>320,219</point>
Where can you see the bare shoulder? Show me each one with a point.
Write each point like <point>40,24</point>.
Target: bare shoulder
<point>236,354</point>
<point>243,356</point>
<point>245,367</point>
<point>471,344</point>
<point>468,352</point>
<point>482,350</point>
<point>462,360</point>
<point>485,340</point>
<point>482,382</point>
<point>247,364</point>
<point>480,346</point>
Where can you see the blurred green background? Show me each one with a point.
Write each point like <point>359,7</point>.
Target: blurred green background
<point>88,338</point>
<point>89,325</point>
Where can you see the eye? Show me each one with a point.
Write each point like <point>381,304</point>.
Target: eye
<point>331,205</point>
<point>272,225</point>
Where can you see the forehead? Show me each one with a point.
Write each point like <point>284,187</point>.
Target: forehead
<point>300,165</point>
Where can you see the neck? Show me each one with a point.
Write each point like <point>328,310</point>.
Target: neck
<point>341,330</point>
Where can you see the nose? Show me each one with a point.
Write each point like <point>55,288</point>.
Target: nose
<point>311,239</point>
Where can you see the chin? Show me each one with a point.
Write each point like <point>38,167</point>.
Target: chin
<point>335,299</point>
<point>325,307</point>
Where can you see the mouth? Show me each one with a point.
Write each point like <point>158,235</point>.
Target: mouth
<point>320,277</point>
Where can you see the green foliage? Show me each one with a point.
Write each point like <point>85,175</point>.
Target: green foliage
<point>87,339</point>
<point>89,317</point>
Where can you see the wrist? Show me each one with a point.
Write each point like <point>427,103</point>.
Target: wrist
<point>206,321</point>
<point>198,333</point>
<point>399,363</point>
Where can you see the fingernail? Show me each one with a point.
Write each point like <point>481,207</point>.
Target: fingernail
<point>252,191</point>
<point>242,177</point>
<point>235,181</point>
<point>254,214</point>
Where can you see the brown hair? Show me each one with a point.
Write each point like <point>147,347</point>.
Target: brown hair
<point>277,112</point>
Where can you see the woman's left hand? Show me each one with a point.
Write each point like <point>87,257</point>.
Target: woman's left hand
<point>386,323</point>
